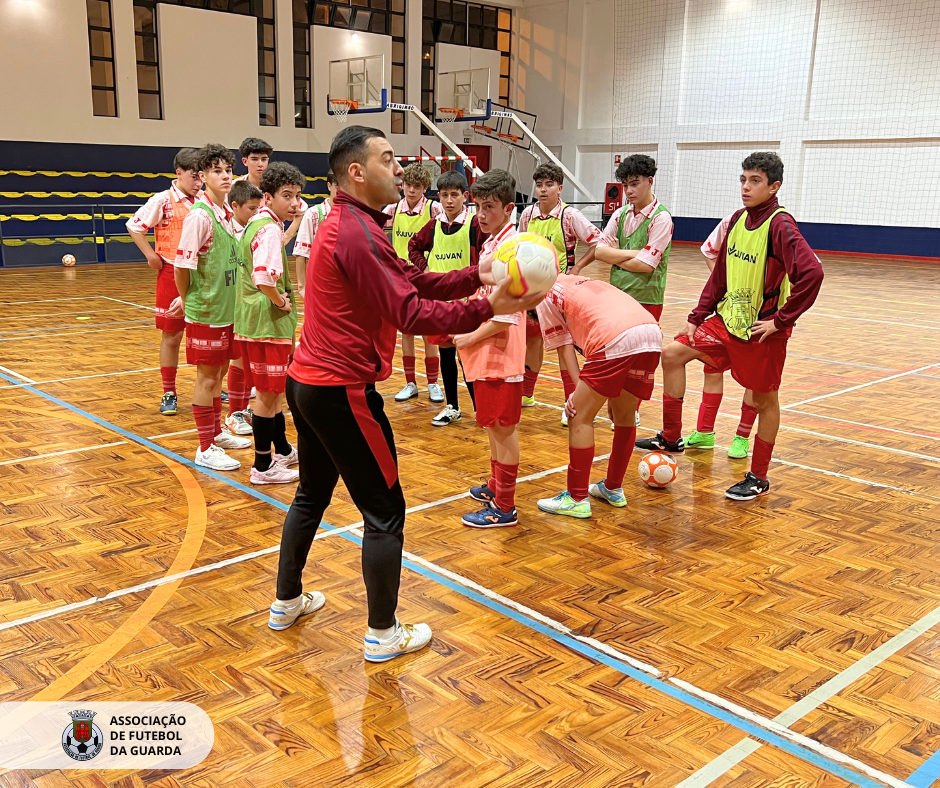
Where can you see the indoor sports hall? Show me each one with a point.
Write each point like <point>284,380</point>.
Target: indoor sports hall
<point>678,638</point>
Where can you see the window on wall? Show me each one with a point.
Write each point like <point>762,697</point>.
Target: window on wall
<point>385,17</point>
<point>101,47</point>
<point>148,65</point>
<point>301,22</point>
<point>464,24</point>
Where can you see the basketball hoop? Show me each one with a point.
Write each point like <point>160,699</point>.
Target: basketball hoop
<point>339,108</point>
<point>449,115</point>
<point>478,129</point>
<point>509,137</point>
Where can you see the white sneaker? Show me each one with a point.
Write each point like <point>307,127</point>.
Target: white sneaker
<point>637,418</point>
<point>435,393</point>
<point>275,474</point>
<point>214,457</point>
<point>283,614</point>
<point>254,393</point>
<point>446,416</point>
<point>237,423</point>
<point>226,440</point>
<point>405,639</point>
<point>564,418</point>
<point>287,459</point>
<point>410,391</point>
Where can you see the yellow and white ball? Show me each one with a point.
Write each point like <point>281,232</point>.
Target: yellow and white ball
<point>68,260</point>
<point>658,469</point>
<point>530,261</point>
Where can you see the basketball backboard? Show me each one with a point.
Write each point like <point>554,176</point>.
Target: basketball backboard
<point>359,79</point>
<point>467,90</point>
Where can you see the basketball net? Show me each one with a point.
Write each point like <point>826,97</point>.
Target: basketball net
<point>449,116</point>
<point>340,110</point>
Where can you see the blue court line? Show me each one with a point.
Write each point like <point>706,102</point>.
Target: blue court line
<point>927,773</point>
<point>585,650</point>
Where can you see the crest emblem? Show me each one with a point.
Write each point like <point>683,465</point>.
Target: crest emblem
<point>82,740</point>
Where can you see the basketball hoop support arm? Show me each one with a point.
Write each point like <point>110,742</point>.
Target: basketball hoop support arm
<point>542,147</point>
<point>430,125</point>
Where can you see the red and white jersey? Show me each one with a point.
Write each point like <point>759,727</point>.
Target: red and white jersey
<point>264,197</point>
<point>196,237</point>
<point>462,218</point>
<point>267,260</point>
<point>490,245</point>
<point>712,245</point>
<point>308,227</point>
<point>574,224</point>
<point>659,234</point>
<point>158,210</point>
<point>599,318</point>
<point>402,207</point>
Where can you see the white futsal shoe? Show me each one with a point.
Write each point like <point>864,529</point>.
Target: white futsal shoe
<point>215,457</point>
<point>238,424</point>
<point>226,440</point>
<point>404,640</point>
<point>410,391</point>
<point>284,613</point>
<point>275,474</point>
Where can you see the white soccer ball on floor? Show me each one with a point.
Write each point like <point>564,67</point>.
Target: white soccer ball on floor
<point>530,261</point>
<point>658,469</point>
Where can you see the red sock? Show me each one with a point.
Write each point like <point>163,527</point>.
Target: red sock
<point>432,368</point>
<point>408,362</point>
<point>760,461</point>
<point>528,384</point>
<point>506,486</point>
<point>205,425</point>
<point>748,417</point>
<point>568,383</point>
<point>237,393</point>
<point>579,471</point>
<point>493,475</point>
<point>169,378</point>
<point>217,409</point>
<point>707,412</point>
<point>672,418</point>
<point>620,453</point>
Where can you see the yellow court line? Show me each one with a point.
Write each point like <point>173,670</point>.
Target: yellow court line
<point>197,520</point>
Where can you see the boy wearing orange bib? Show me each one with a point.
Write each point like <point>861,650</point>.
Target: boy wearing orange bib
<point>493,358</point>
<point>164,212</point>
<point>622,343</point>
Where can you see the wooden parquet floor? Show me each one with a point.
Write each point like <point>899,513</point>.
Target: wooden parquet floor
<point>825,593</point>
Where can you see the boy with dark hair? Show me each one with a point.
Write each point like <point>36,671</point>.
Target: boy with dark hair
<point>408,216</point>
<point>256,155</point>
<point>206,263</point>
<point>245,199</point>
<point>265,320</point>
<point>313,217</point>
<point>564,226</point>
<point>622,343</point>
<point>451,242</point>
<point>765,277</point>
<point>493,358</point>
<point>165,212</point>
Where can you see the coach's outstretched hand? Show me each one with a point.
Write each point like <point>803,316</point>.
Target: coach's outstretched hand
<point>505,304</point>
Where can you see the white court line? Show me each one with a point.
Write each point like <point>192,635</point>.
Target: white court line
<point>56,314</point>
<point>86,377</point>
<point>895,323</point>
<point>45,331</point>
<point>60,453</point>
<point>52,300</point>
<point>131,303</point>
<point>863,424</point>
<point>148,325</point>
<point>17,375</point>
<point>861,386</point>
<point>170,434</point>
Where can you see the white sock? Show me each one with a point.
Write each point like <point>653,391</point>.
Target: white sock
<point>383,634</point>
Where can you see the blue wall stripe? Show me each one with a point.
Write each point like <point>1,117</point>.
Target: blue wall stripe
<point>574,645</point>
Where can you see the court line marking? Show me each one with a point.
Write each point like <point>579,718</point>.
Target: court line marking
<point>61,328</point>
<point>895,323</point>
<point>86,377</point>
<point>863,424</point>
<point>52,300</point>
<point>81,312</point>
<point>813,700</point>
<point>60,453</point>
<point>130,303</point>
<point>926,773</point>
<point>17,375</point>
<point>755,724</point>
<point>148,325</point>
<point>863,385</point>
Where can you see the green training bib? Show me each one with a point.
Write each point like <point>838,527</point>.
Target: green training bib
<point>554,230</point>
<point>646,288</point>
<point>255,316</point>
<point>406,226</point>
<point>450,252</point>
<point>211,295</point>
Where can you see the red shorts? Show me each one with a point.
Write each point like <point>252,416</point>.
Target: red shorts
<point>532,328</point>
<point>656,310</point>
<point>498,402</point>
<point>209,345</point>
<point>757,366</point>
<point>265,364</point>
<point>441,340</point>
<point>166,292</point>
<point>634,374</point>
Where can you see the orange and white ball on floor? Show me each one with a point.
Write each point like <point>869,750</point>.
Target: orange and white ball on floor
<point>68,260</point>
<point>530,262</point>
<point>658,469</point>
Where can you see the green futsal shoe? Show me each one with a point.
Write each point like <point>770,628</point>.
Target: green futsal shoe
<point>564,504</point>
<point>739,448</point>
<point>700,440</point>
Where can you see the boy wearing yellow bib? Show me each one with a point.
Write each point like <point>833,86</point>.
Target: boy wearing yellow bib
<point>765,277</point>
<point>407,218</point>
<point>449,243</point>
<point>564,226</point>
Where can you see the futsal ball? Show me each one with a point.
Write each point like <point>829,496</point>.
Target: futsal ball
<point>530,261</point>
<point>68,260</point>
<point>658,470</point>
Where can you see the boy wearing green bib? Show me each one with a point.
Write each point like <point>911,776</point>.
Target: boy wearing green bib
<point>408,217</point>
<point>265,319</point>
<point>564,226</point>
<point>205,267</point>
<point>764,278</point>
<point>449,243</point>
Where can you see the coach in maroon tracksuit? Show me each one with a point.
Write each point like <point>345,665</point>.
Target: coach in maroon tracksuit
<point>359,294</point>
